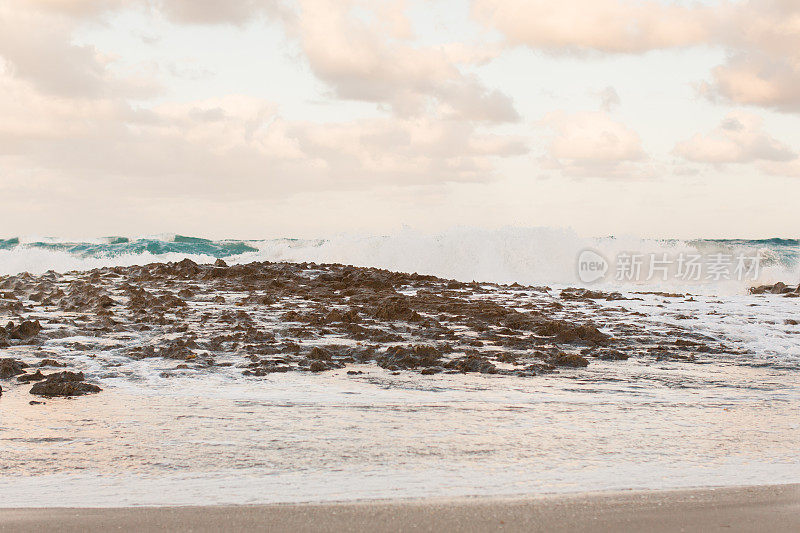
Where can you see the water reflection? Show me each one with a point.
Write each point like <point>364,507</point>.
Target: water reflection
<point>300,437</point>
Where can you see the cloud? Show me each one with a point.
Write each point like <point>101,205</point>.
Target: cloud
<point>740,138</point>
<point>759,80</point>
<point>232,147</point>
<point>609,26</point>
<point>760,38</point>
<point>592,143</point>
<point>38,47</point>
<point>215,11</point>
<point>763,65</point>
<point>71,121</point>
<point>77,8</point>
<point>356,58</point>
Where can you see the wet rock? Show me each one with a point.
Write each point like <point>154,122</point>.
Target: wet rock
<point>396,309</point>
<point>570,333</point>
<point>64,384</point>
<point>611,355</point>
<point>319,354</point>
<point>27,378</point>
<point>663,294</point>
<point>11,367</point>
<point>471,363</point>
<point>777,288</point>
<point>26,330</point>
<point>318,366</point>
<point>572,293</point>
<point>409,357</point>
<point>51,362</point>
<point>568,360</point>
<point>220,263</point>
<point>186,269</point>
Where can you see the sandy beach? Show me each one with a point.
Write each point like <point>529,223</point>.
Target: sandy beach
<point>776,508</point>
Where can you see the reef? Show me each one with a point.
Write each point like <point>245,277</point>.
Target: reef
<point>270,318</point>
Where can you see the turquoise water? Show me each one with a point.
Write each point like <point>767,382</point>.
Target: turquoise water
<point>117,246</point>
<point>525,255</point>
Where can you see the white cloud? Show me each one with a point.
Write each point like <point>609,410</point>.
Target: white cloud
<point>593,144</point>
<point>760,37</point>
<point>216,11</point>
<point>611,26</point>
<point>37,46</point>
<point>740,138</point>
<point>356,58</point>
<point>234,146</point>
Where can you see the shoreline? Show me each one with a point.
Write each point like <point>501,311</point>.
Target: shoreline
<point>746,508</point>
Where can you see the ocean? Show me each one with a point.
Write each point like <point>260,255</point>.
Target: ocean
<point>522,255</point>
<point>160,434</point>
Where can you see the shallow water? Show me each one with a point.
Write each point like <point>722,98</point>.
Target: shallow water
<point>156,435</point>
<point>300,437</point>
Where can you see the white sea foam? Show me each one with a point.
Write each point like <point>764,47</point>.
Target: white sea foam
<point>524,255</point>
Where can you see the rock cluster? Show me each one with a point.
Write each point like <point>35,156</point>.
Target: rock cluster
<point>777,288</point>
<point>271,318</point>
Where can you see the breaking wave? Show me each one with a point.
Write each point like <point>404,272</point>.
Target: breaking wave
<point>524,255</point>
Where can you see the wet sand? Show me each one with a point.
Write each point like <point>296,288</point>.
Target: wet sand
<point>762,508</point>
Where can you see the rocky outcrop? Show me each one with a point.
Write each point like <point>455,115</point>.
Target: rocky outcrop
<point>64,384</point>
<point>777,288</point>
<point>26,330</point>
<point>11,367</point>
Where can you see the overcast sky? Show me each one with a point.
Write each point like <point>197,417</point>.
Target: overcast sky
<point>259,118</point>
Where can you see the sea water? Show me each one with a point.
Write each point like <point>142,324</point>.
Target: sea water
<point>213,438</point>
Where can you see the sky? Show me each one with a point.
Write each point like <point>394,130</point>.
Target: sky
<point>303,118</point>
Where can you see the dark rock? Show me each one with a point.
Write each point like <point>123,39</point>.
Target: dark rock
<point>25,331</point>
<point>318,366</point>
<point>569,360</point>
<point>64,384</point>
<point>51,362</point>
<point>11,367</point>
<point>409,357</point>
<point>471,363</point>
<point>572,293</point>
<point>570,333</point>
<point>396,309</point>
<point>319,354</point>
<point>27,378</point>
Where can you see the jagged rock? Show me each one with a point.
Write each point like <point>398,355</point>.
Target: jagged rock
<point>401,357</point>
<point>64,384</point>
<point>396,309</point>
<point>27,378</point>
<point>571,333</point>
<point>777,288</point>
<point>570,360</point>
<point>471,363</point>
<point>51,362</point>
<point>11,367</point>
<point>25,331</point>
